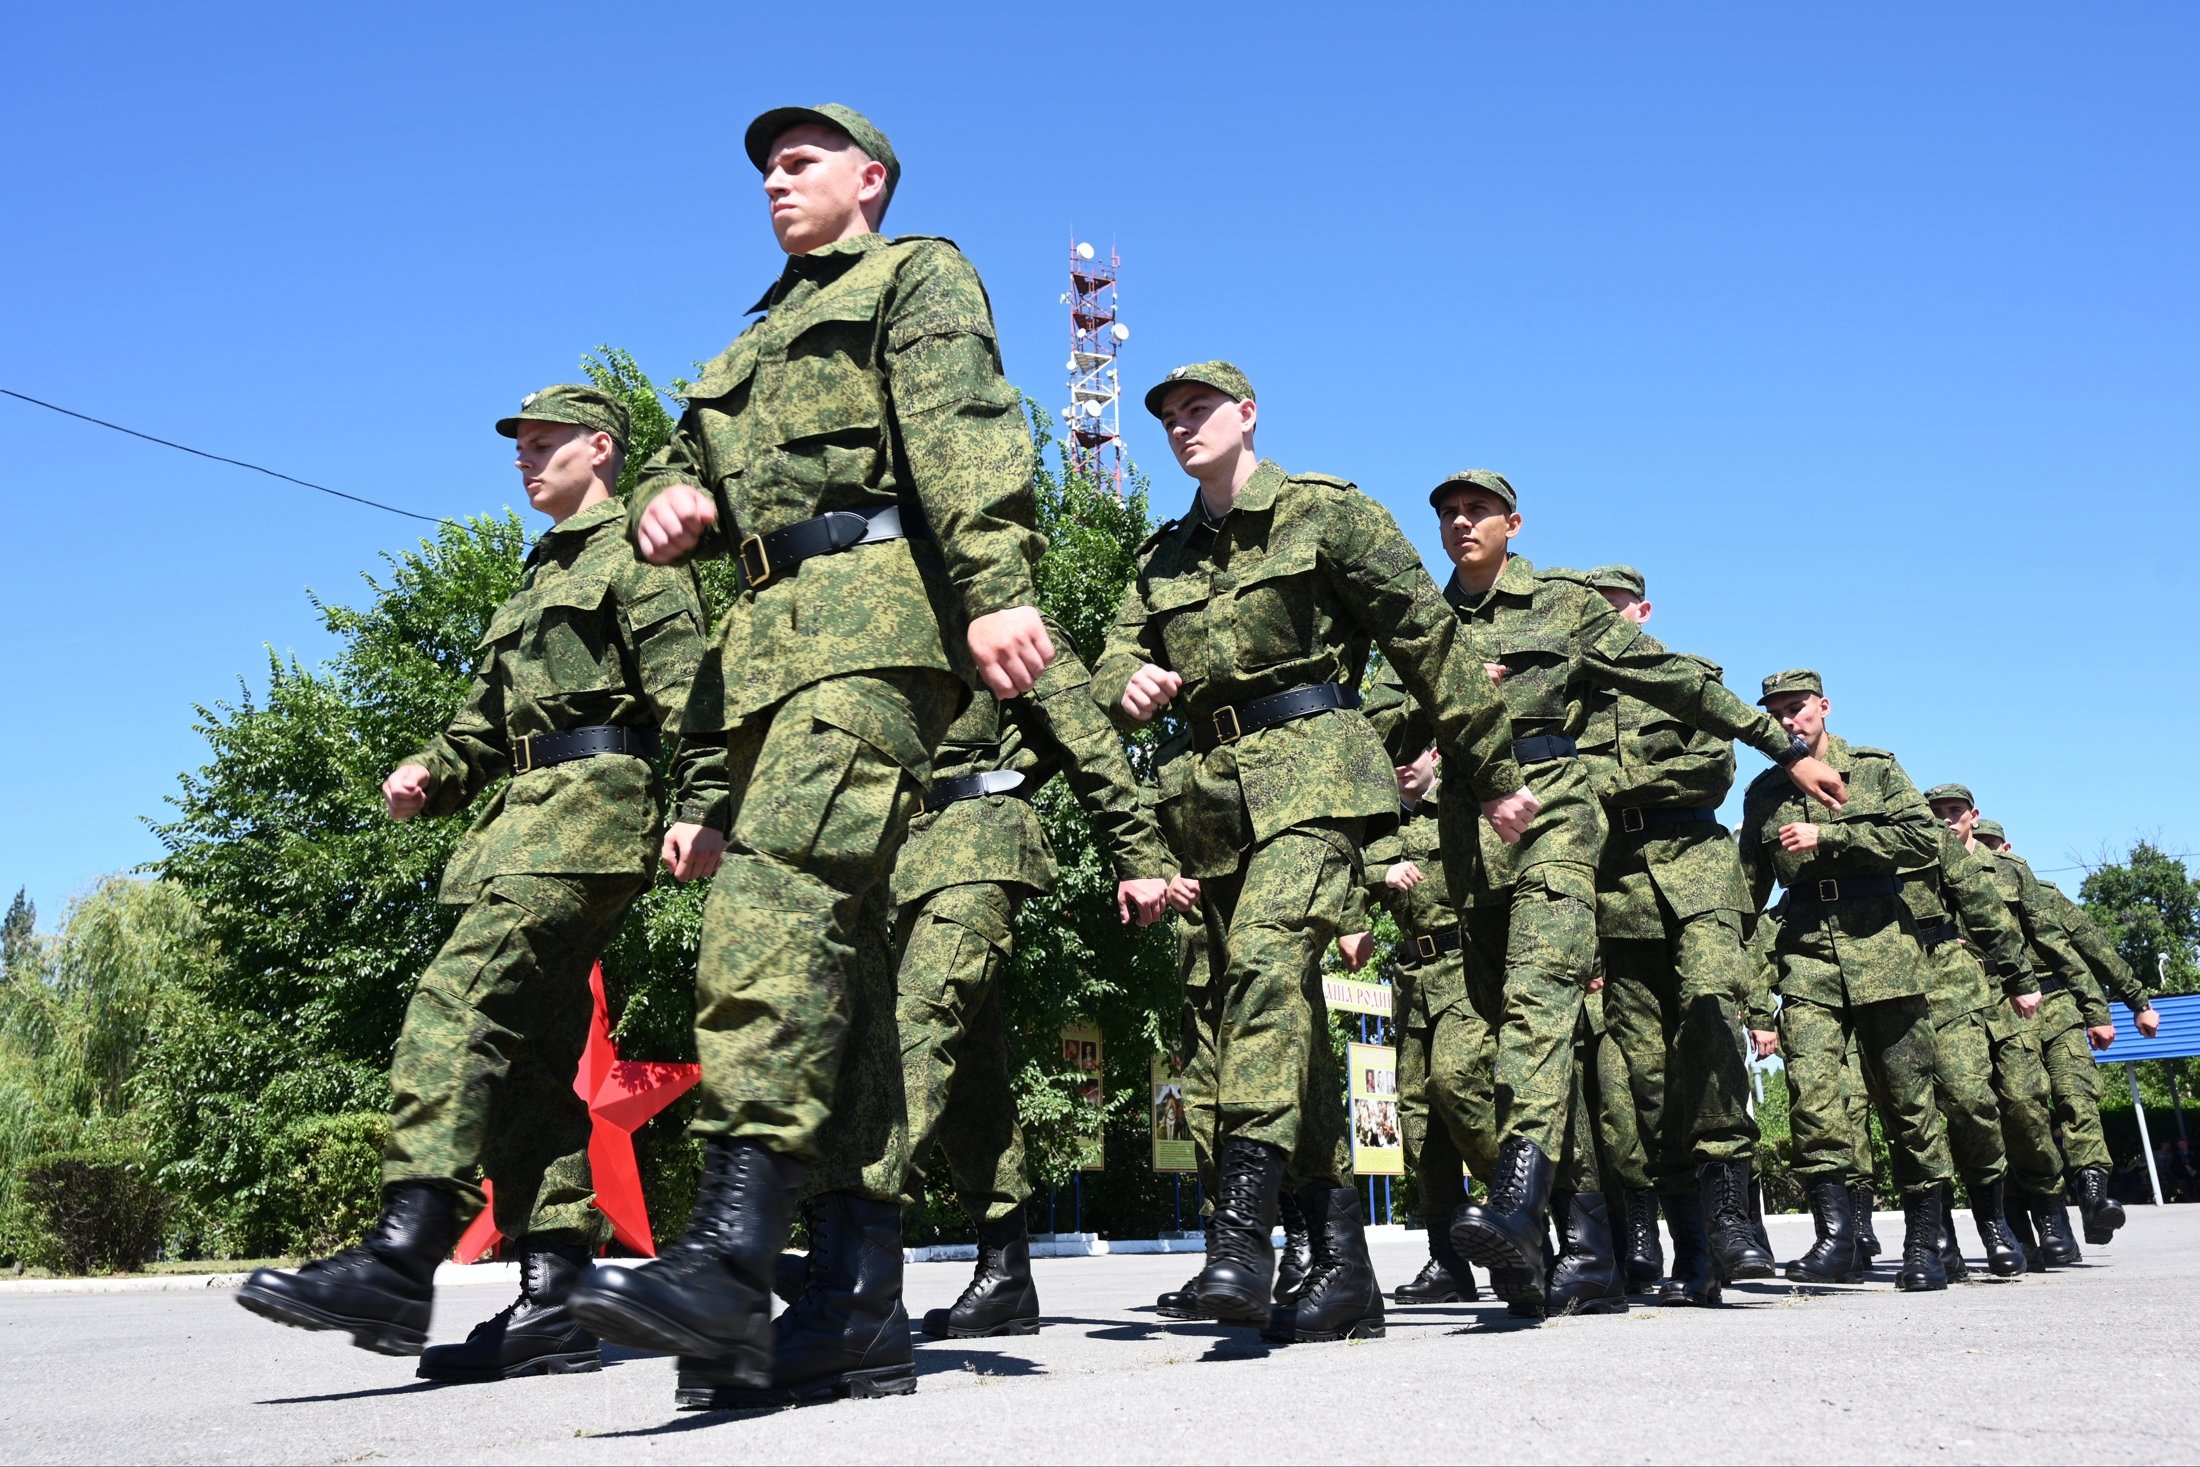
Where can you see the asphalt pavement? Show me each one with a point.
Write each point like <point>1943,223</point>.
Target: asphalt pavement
<point>2090,1364</point>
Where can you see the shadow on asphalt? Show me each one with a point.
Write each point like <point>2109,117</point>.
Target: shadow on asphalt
<point>410,1388</point>
<point>940,1358</point>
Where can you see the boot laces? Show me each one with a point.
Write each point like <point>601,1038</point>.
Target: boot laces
<point>1514,1167</point>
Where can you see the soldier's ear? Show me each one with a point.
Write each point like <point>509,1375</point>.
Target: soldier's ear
<point>1248,416</point>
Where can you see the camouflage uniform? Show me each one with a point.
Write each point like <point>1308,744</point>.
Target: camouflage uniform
<point>1286,591</point>
<point>1846,941</point>
<point>483,1075</point>
<point>1531,908</point>
<point>960,877</point>
<point>872,383</point>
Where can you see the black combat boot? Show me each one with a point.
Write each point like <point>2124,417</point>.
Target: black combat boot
<point>2004,1255</point>
<point>1737,1239</point>
<point>1645,1259</point>
<point>1693,1281</point>
<point>1000,1298</point>
<point>1235,1285</point>
<point>1298,1246</point>
<point>1182,1303</point>
<point>1587,1279</point>
<point>1863,1202</point>
<point>2019,1218</point>
<point>1950,1250</point>
<point>1340,1299</point>
<point>2058,1241</point>
<point>382,1289</point>
<point>1506,1233</point>
<point>1445,1278</point>
<point>1834,1258</point>
<point>708,1295</point>
<point>533,1335</point>
<point>848,1335</point>
<point>1921,1270</point>
<point>2102,1213</point>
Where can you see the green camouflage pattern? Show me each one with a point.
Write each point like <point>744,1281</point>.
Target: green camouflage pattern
<point>2110,972</point>
<point>1292,587</point>
<point>1988,940</point>
<point>1623,1152</point>
<point>2054,957</point>
<point>1053,729</point>
<point>2073,1081</point>
<point>579,403</point>
<point>2027,1102</point>
<point>1447,1101</point>
<point>872,380</point>
<point>1196,1040</point>
<point>593,636</point>
<point>1894,1040</point>
<point>1963,1070</point>
<point>1794,680</point>
<point>1223,377</point>
<point>482,1081</point>
<point>1487,479</point>
<point>1424,912</point>
<point>765,128</point>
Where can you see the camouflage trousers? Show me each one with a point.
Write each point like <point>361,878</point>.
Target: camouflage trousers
<point>2075,1082</point>
<point>1196,1048</point>
<point>1894,1042</point>
<point>794,984</point>
<point>954,945</point>
<point>2027,1104</point>
<point>1671,1005</point>
<point>1609,1083</point>
<point>1447,1103</point>
<point>483,1076</point>
<point>1856,1099</point>
<point>1532,949</point>
<point>1963,1073</point>
<point>1262,1012</point>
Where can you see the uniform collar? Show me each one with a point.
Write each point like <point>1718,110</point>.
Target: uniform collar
<point>1516,579</point>
<point>584,524</point>
<point>1258,495</point>
<point>822,263</point>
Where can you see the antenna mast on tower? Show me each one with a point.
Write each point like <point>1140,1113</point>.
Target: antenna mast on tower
<point>1094,427</point>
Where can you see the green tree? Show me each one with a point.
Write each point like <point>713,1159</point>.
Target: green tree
<point>2150,905</point>
<point>18,934</point>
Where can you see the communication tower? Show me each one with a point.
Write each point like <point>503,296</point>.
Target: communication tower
<point>1095,336</point>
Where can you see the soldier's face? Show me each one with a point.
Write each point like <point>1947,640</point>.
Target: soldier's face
<point>557,464</point>
<point>1415,780</point>
<point>1206,426</point>
<point>1627,604</point>
<point>1477,528</point>
<point>1803,715</point>
<point>819,184</point>
<point>1957,815</point>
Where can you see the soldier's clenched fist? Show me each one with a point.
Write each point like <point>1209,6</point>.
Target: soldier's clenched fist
<point>673,523</point>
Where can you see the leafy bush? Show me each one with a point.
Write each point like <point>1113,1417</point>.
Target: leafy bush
<point>75,1211</point>
<point>332,1191</point>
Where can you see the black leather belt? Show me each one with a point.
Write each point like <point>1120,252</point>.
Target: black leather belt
<point>543,750</point>
<point>1638,821</point>
<point>1946,931</point>
<point>1228,725</point>
<point>763,559</point>
<point>946,792</point>
<point>1543,748</point>
<point>2054,985</point>
<point>1427,947</point>
<point>1847,888</point>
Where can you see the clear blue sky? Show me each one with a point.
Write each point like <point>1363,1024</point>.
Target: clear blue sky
<point>1867,331</point>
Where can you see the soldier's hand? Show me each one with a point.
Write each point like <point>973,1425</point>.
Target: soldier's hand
<point>2026,1004</point>
<point>692,851</point>
<point>1011,648</point>
<point>1149,691</point>
<point>1596,984</point>
<point>1356,948</point>
<point>1402,877</point>
<point>1184,893</point>
<point>1496,670</point>
<point>1509,817</point>
<point>672,524</point>
<point>1141,901</point>
<point>1821,781</point>
<point>2149,1021</point>
<point>1765,1042</point>
<point>2101,1036</point>
<point>1798,836</point>
<point>405,792</point>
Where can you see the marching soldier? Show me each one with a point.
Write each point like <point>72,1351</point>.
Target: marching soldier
<point>859,455</point>
<point>582,675</point>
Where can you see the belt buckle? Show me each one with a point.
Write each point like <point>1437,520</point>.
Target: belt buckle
<point>1632,822</point>
<point>1829,890</point>
<point>762,570</point>
<point>523,756</point>
<point>1425,945</point>
<point>1237,729</point>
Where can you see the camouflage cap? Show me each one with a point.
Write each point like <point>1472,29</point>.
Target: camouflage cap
<point>1794,680</point>
<point>571,402</point>
<point>1619,578</point>
<point>859,130</point>
<point>1221,376</point>
<point>1489,479</point>
<point>1990,830</point>
<point>1941,792</point>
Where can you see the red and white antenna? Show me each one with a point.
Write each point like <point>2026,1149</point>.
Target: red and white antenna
<point>1094,427</point>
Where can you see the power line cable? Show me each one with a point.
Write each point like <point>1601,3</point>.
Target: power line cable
<point>220,459</point>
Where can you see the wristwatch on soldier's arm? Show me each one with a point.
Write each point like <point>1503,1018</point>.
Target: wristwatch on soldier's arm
<point>1798,748</point>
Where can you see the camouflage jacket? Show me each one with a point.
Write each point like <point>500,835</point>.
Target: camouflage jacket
<point>594,636</point>
<point>872,380</point>
<point>1863,946</point>
<point>1053,729</point>
<point>1987,943</point>
<point>1428,988</point>
<point>1639,758</point>
<point>2060,966</point>
<point>1562,643</point>
<point>1291,588</point>
<point>2107,965</point>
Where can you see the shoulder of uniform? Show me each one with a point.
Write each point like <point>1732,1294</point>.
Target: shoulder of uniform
<point>1765,780</point>
<point>1325,481</point>
<point>1161,532</point>
<point>1866,751</point>
<point>1564,573</point>
<point>918,239</point>
<point>2015,859</point>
